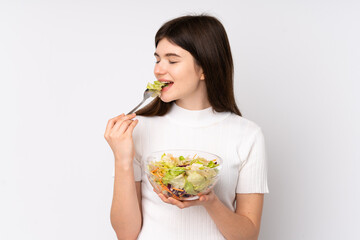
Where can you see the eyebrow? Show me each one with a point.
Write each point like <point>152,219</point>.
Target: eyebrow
<point>168,55</point>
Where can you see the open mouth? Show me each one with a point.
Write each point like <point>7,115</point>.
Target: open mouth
<point>167,86</point>
<point>167,83</point>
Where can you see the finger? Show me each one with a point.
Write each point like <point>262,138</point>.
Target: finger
<point>111,123</point>
<point>131,127</point>
<point>203,198</point>
<point>121,120</point>
<point>163,198</point>
<point>125,124</point>
<point>156,190</point>
<point>180,204</point>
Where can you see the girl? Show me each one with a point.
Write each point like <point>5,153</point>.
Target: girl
<point>197,110</point>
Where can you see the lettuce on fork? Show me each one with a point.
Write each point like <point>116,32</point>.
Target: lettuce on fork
<point>156,87</point>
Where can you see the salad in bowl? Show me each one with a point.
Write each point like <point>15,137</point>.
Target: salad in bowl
<point>183,174</point>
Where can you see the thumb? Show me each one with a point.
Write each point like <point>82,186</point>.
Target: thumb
<point>203,198</point>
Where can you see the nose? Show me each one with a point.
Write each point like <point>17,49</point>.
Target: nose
<point>159,69</point>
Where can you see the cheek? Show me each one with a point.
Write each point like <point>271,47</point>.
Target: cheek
<point>185,74</point>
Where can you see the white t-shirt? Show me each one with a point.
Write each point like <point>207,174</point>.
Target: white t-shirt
<point>238,141</point>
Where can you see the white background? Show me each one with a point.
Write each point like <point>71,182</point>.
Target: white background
<point>66,67</point>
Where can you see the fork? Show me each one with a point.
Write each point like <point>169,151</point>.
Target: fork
<point>147,94</point>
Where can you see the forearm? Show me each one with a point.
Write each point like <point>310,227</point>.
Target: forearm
<point>230,224</point>
<point>125,211</point>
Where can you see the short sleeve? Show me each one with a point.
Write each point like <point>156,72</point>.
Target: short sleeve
<point>253,169</point>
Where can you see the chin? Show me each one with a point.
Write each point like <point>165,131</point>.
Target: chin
<point>166,99</point>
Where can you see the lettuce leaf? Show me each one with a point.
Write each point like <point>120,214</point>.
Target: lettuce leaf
<point>156,87</point>
<point>189,188</point>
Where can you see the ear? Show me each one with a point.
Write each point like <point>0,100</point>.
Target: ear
<point>200,71</point>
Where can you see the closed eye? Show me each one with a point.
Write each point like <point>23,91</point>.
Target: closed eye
<point>171,62</point>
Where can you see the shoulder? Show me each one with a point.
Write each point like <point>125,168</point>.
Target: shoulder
<point>242,125</point>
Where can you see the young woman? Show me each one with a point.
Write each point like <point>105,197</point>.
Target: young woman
<point>196,111</point>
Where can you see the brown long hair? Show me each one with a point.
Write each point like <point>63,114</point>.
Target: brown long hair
<point>205,38</point>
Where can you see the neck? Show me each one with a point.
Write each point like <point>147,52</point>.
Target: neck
<point>195,118</point>
<point>193,105</point>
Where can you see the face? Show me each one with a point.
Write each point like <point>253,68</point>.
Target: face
<point>176,65</point>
